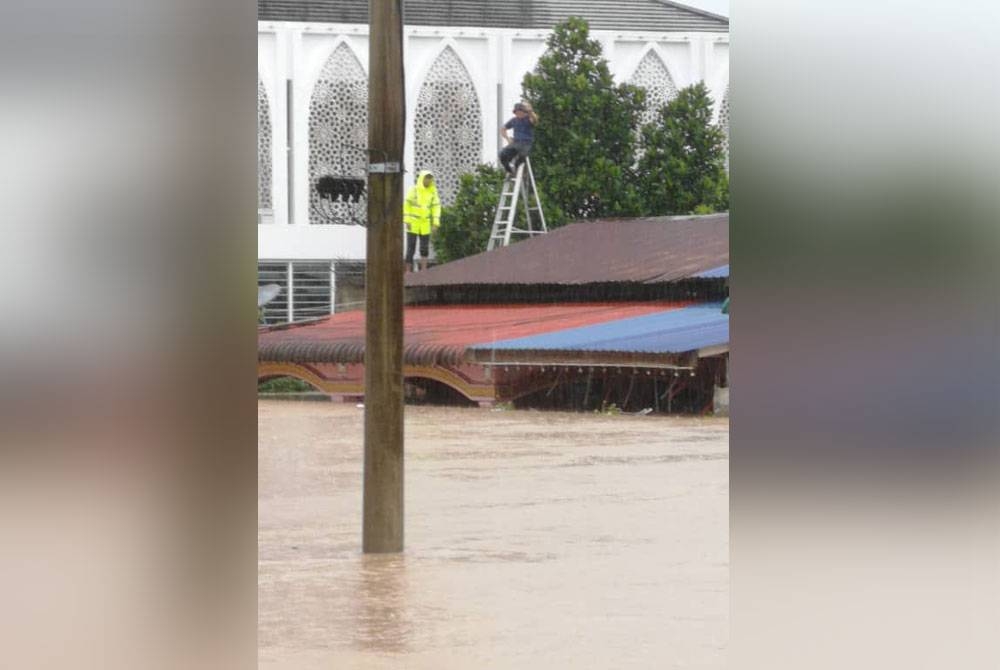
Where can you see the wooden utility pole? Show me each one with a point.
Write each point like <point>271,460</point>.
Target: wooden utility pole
<point>383,488</point>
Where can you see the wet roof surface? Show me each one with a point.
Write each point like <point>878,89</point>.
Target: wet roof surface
<point>671,331</point>
<point>650,250</point>
<point>441,334</point>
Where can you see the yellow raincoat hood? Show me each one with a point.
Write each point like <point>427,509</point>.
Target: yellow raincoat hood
<point>422,206</point>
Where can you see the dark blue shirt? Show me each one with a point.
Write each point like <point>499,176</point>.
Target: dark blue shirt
<point>524,130</point>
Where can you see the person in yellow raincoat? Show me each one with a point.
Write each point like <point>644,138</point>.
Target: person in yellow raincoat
<point>421,213</point>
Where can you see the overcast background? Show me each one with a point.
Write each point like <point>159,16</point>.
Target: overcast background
<point>715,6</point>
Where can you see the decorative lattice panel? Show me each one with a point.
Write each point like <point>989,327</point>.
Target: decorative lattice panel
<point>448,130</point>
<point>338,135</point>
<point>652,74</point>
<point>263,148</point>
<point>724,123</point>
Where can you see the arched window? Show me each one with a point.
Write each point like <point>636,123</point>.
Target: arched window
<point>652,74</point>
<point>263,148</point>
<point>338,134</point>
<point>448,130</point>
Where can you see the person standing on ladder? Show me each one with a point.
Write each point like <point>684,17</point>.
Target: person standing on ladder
<point>523,124</point>
<point>421,213</point>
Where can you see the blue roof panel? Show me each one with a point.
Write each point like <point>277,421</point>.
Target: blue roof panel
<point>667,332</point>
<point>714,273</point>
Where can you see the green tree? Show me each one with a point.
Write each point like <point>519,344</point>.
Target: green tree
<point>683,166</point>
<point>585,141</point>
<point>465,225</point>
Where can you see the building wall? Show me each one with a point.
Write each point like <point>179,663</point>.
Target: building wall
<point>489,63</point>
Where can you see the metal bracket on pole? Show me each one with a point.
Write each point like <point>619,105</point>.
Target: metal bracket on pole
<point>383,168</point>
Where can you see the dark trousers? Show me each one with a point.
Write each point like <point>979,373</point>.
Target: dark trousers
<point>514,153</point>
<point>411,246</point>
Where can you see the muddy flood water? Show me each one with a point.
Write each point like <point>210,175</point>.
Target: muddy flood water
<point>533,540</point>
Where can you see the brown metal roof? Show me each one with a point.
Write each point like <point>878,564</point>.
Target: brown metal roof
<point>649,251</point>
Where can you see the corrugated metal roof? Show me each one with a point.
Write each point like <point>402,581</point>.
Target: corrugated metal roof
<point>439,335</point>
<point>715,273</point>
<point>653,250</point>
<point>665,332</point>
<point>643,15</point>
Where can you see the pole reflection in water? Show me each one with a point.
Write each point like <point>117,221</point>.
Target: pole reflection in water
<point>380,605</point>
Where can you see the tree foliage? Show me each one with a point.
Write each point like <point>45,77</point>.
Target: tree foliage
<point>591,159</point>
<point>585,140</point>
<point>682,169</point>
<point>466,224</point>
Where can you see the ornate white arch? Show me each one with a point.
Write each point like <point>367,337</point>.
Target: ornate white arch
<point>650,65</point>
<point>338,130</point>
<point>668,62</point>
<point>314,68</point>
<point>447,119</point>
<point>719,90</point>
<point>465,56</point>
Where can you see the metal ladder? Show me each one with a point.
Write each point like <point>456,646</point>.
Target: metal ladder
<point>503,221</point>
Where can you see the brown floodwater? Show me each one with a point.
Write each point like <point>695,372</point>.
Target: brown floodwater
<point>533,540</point>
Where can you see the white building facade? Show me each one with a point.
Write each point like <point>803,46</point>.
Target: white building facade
<point>461,82</point>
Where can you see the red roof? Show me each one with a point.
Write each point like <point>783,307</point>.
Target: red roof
<point>439,335</point>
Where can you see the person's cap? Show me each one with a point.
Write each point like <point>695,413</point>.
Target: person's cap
<point>519,107</point>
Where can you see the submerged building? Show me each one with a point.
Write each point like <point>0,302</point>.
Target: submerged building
<point>621,313</point>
